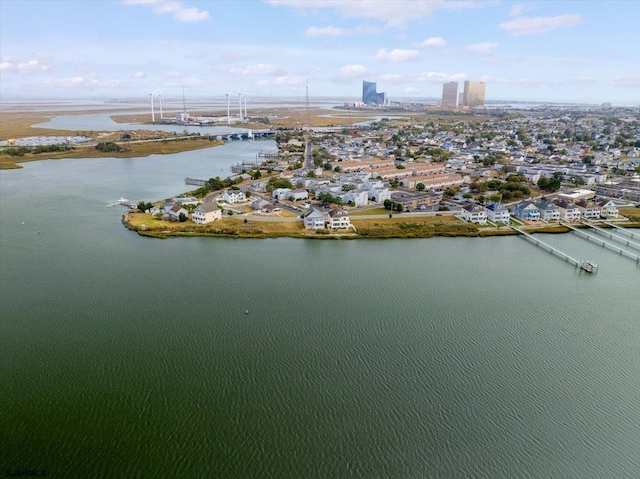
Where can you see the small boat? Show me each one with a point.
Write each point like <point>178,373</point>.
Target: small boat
<point>589,266</point>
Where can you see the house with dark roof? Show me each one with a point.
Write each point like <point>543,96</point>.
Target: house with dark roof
<point>338,219</point>
<point>526,210</point>
<point>474,213</point>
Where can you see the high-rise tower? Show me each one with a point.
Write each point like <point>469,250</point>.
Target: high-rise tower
<point>369,94</point>
<point>450,94</point>
<point>473,93</point>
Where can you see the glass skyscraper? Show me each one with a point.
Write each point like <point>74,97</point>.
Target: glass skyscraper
<point>369,93</point>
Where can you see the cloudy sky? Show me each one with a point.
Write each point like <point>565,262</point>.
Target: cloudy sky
<point>573,51</point>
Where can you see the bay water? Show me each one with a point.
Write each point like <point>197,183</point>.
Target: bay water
<point>123,356</point>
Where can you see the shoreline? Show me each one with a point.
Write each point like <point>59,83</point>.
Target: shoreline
<point>236,228</point>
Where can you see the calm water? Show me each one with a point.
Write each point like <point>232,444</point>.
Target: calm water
<point>122,356</point>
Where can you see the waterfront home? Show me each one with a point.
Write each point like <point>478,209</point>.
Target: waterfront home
<point>206,213</point>
<point>609,209</point>
<point>338,218</point>
<point>526,210</point>
<point>498,213</point>
<point>174,213</point>
<point>234,196</point>
<point>474,213</point>
<point>548,211</point>
<point>589,210</point>
<point>315,219</point>
<point>569,211</point>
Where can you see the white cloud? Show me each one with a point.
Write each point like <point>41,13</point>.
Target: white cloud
<point>39,65</point>
<point>537,25</point>
<point>348,73</point>
<point>489,79</point>
<point>257,69</point>
<point>632,81</point>
<point>391,78</point>
<point>290,80</point>
<point>396,55</point>
<point>86,82</point>
<point>529,82</point>
<point>440,77</point>
<point>331,31</point>
<point>484,48</point>
<point>432,42</point>
<point>327,32</point>
<point>519,9</point>
<point>394,13</point>
<point>139,75</point>
<point>411,89</point>
<point>173,7</point>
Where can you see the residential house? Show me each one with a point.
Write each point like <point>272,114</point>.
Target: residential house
<point>526,210</point>
<point>206,213</point>
<point>589,210</point>
<point>498,213</point>
<point>296,195</point>
<point>281,193</point>
<point>175,212</point>
<point>315,219</point>
<point>609,209</point>
<point>338,218</point>
<point>474,214</point>
<point>548,211</point>
<point>234,196</point>
<point>569,211</point>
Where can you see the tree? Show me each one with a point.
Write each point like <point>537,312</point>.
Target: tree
<point>337,169</point>
<point>108,146</point>
<point>577,180</point>
<point>256,175</point>
<point>182,217</point>
<point>394,183</point>
<point>420,187</point>
<point>275,183</point>
<point>142,206</point>
<point>399,207</point>
<point>388,204</point>
<point>247,193</point>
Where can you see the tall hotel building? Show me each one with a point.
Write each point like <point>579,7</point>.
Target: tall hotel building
<point>473,93</point>
<point>450,94</point>
<point>370,96</point>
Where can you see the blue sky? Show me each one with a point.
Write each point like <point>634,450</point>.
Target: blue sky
<point>562,51</point>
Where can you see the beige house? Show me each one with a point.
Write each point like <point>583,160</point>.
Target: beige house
<point>206,213</point>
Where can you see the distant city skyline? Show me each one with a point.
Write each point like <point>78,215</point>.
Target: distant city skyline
<point>557,51</point>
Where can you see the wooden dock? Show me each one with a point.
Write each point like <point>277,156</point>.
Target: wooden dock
<point>626,241</point>
<point>547,247</point>
<point>625,230</point>
<point>194,182</point>
<point>602,242</point>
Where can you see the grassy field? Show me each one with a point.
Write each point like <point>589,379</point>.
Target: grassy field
<point>137,150</point>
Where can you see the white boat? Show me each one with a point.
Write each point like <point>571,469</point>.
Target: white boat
<point>589,266</point>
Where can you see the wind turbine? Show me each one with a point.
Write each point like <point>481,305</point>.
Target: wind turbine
<point>153,114</point>
<point>240,104</point>
<point>160,98</point>
<point>245,97</point>
<point>228,116</point>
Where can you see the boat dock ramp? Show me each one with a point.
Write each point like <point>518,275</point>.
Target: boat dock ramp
<point>602,242</point>
<point>125,202</point>
<point>633,235</point>
<point>550,249</point>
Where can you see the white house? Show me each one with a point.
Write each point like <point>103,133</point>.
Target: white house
<point>590,210</point>
<point>569,211</point>
<point>234,196</point>
<point>281,193</point>
<point>315,219</point>
<point>526,210</point>
<point>497,213</point>
<point>474,214</point>
<point>609,209</point>
<point>338,218</point>
<point>174,213</point>
<point>206,213</point>
<point>378,195</point>
<point>296,195</point>
<point>356,198</point>
<point>548,211</point>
